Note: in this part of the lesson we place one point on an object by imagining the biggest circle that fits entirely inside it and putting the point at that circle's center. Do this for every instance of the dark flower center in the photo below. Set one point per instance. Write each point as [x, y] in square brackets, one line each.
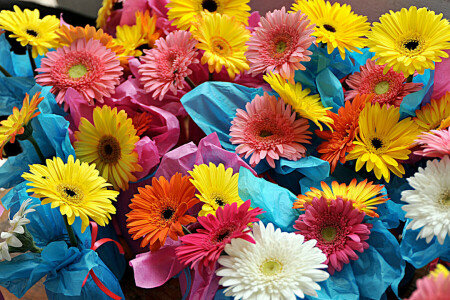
[411, 45]
[265, 133]
[168, 213]
[219, 202]
[109, 149]
[376, 143]
[32, 32]
[209, 5]
[69, 192]
[329, 28]
[223, 235]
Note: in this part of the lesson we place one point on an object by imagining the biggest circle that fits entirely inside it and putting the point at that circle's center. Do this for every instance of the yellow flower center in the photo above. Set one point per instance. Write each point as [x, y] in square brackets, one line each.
[77, 71]
[411, 46]
[210, 5]
[445, 198]
[108, 149]
[271, 267]
[381, 87]
[220, 46]
[280, 46]
[328, 233]
[71, 193]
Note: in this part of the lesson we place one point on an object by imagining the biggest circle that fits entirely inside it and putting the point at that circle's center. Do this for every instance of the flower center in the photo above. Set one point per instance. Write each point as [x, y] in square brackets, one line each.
[445, 198]
[108, 149]
[265, 133]
[71, 193]
[168, 213]
[329, 28]
[209, 5]
[381, 87]
[376, 143]
[411, 45]
[281, 46]
[222, 235]
[77, 71]
[271, 267]
[32, 32]
[328, 233]
[220, 46]
[219, 201]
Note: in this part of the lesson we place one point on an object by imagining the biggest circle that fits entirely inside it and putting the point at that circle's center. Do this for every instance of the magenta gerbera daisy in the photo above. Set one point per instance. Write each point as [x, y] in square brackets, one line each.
[268, 129]
[338, 229]
[435, 143]
[204, 247]
[88, 67]
[165, 67]
[280, 43]
[389, 88]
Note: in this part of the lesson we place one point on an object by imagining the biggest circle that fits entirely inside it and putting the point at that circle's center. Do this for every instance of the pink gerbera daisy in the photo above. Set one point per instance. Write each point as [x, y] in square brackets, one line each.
[204, 247]
[88, 67]
[165, 67]
[435, 287]
[389, 88]
[269, 129]
[280, 44]
[435, 143]
[337, 227]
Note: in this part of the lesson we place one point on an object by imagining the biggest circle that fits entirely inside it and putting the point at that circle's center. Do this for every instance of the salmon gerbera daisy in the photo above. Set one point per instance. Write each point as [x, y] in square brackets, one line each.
[435, 286]
[267, 129]
[389, 88]
[280, 44]
[338, 229]
[86, 66]
[109, 143]
[159, 211]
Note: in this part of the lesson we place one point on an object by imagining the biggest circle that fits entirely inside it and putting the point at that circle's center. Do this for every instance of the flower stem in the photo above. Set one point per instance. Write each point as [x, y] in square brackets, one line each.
[36, 249]
[36, 147]
[410, 78]
[185, 230]
[190, 82]
[6, 73]
[211, 77]
[32, 61]
[73, 239]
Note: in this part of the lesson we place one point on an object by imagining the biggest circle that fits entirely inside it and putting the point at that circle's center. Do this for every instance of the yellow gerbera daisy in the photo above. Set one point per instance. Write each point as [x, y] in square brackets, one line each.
[440, 269]
[28, 29]
[130, 38]
[184, 12]
[336, 25]
[309, 107]
[216, 185]
[109, 143]
[363, 195]
[409, 40]
[434, 115]
[148, 25]
[75, 187]
[104, 12]
[223, 39]
[383, 140]
[15, 123]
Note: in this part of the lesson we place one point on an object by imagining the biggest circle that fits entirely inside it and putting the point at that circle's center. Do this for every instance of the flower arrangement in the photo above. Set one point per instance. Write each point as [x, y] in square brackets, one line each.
[299, 154]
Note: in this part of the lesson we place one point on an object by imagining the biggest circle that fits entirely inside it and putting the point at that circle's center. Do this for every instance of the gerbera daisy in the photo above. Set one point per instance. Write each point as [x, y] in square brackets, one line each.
[382, 140]
[216, 186]
[15, 124]
[429, 203]
[223, 39]
[409, 40]
[148, 24]
[364, 196]
[141, 122]
[279, 265]
[88, 67]
[204, 247]
[130, 38]
[267, 129]
[28, 29]
[307, 106]
[160, 210]
[75, 187]
[184, 12]
[109, 143]
[434, 114]
[435, 286]
[389, 88]
[339, 140]
[104, 12]
[165, 67]
[435, 143]
[338, 229]
[336, 25]
[280, 44]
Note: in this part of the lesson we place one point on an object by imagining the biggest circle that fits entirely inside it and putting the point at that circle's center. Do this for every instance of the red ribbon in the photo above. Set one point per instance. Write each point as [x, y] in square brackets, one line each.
[94, 246]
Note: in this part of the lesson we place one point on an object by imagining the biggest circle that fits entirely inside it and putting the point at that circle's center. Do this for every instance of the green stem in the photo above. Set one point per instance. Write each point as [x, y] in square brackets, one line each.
[6, 73]
[185, 230]
[410, 78]
[73, 239]
[211, 77]
[36, 249]
[36, 147]
[32, 61]
[190, 82]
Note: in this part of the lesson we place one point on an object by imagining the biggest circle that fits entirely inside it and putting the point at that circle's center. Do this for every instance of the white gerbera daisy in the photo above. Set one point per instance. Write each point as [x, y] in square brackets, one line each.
[279, 265]
[429, 203]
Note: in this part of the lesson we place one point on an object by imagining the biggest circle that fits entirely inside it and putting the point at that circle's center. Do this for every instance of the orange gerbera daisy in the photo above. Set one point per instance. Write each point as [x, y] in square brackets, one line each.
[363, 195]
[141, 122]
[69, 34]
[434, 115]
[160, 210]
[15, 123]
[339, 140]
[148, 24]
